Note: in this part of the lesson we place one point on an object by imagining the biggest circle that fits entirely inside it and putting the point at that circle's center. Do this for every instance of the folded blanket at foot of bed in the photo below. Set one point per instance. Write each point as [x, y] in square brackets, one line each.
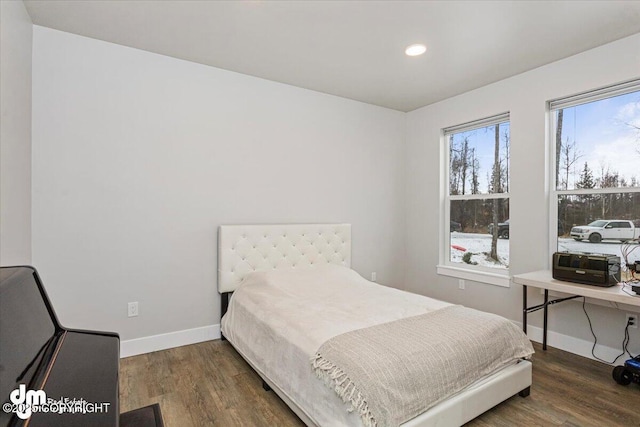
[393, 372]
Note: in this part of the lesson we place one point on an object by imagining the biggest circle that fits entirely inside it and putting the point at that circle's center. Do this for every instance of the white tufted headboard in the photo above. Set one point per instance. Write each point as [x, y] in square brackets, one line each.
[243, 249]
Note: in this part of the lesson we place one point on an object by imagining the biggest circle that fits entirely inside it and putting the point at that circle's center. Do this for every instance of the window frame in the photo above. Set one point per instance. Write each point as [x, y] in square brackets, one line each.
[493, 276]
[553, 105]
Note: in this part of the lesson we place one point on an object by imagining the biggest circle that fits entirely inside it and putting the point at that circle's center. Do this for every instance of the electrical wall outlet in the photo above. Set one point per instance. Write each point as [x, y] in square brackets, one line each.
[132, 309]
[634, 318]
[461, 284]
[374, 276]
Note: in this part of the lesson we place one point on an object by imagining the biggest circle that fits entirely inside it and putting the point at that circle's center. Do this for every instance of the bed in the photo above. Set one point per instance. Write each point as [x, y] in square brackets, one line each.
[295, 293]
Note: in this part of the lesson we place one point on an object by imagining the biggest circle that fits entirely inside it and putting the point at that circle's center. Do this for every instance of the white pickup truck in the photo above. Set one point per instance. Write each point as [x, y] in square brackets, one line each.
[603, 229]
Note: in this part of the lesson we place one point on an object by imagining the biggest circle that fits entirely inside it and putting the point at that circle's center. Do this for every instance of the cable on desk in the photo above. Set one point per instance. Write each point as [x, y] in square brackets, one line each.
[625, 284]
[626, 249]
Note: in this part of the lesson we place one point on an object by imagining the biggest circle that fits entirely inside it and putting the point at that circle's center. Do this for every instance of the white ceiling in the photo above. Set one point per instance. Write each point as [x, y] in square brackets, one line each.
[355, 49]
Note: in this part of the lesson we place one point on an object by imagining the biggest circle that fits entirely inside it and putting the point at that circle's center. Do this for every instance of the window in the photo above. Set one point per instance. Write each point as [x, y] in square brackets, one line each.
[476, 202]
[595, 162]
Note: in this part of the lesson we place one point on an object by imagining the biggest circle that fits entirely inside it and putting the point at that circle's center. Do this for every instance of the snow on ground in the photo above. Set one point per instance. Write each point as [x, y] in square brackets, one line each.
[480, 246]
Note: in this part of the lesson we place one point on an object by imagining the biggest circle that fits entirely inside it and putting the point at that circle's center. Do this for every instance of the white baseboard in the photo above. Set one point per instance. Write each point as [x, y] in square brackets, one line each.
[169, 340]
[574, 345]
[207, 333]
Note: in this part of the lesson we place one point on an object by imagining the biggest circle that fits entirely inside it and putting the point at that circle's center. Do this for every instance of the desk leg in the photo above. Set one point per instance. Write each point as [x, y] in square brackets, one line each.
[524, 309]
[544, 327]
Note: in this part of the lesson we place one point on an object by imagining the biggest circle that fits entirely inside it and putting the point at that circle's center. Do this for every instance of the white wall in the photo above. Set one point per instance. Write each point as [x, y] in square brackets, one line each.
[138, 157]
[525, 97]
[15, 134]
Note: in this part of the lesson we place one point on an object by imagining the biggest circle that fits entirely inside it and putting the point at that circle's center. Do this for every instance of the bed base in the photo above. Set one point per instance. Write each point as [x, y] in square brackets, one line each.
[224, 306]
[224, 302]
[469, 404]
[456, 410]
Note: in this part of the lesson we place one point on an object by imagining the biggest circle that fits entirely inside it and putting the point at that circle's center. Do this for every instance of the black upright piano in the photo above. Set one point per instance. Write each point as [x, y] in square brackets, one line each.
[36, 352]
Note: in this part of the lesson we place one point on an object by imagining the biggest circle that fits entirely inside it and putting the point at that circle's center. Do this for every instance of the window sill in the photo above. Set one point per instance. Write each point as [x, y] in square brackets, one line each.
[496, 279]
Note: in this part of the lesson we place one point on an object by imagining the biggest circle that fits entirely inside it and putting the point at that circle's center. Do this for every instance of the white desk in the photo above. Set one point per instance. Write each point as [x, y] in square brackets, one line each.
[543, 279]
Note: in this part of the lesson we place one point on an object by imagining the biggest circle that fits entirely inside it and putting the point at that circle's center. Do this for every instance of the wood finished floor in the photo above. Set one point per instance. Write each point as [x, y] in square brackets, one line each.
[209, 384]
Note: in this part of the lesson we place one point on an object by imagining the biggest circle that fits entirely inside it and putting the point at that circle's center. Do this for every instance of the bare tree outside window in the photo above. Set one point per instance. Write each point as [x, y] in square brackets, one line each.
[496, 184]
[478, 194]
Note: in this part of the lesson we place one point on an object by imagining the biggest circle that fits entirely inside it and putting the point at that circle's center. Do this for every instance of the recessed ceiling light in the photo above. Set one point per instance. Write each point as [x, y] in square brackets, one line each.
[415, 49]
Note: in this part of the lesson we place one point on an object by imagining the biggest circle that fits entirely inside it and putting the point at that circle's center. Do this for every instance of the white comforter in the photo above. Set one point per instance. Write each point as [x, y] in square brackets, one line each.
[279, 319]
